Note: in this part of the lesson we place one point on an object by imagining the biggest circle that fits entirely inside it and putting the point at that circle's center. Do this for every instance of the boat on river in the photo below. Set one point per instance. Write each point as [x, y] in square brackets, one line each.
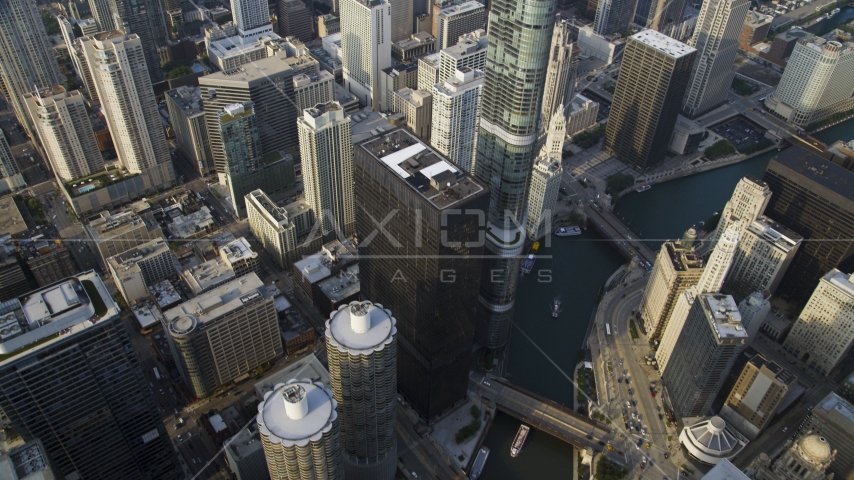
[479, 462]
[556, 308]
[528, 262]
[521, 435]
[567, 231]
[643, 188]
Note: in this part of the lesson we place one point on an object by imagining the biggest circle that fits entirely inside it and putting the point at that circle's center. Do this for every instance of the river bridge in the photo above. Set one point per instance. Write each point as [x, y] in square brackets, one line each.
[545, 415]
[622, 237]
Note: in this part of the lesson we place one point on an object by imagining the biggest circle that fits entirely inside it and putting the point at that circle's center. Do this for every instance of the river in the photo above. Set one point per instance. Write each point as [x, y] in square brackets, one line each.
[543, 351]
[845, 14]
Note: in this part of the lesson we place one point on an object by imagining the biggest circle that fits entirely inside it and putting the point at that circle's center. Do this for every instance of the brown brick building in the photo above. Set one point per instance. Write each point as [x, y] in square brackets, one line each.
[755, 28]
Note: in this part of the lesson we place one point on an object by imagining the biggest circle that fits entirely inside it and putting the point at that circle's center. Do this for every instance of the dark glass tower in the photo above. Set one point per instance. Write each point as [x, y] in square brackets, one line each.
[420, 223]
[144, 18]
[79, 388]
[814, 197]
[517, 58]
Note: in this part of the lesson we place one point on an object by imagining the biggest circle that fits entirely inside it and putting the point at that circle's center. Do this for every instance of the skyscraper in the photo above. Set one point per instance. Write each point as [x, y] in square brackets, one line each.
[26, 57]
[765, 250]
[268, 83]
[812, 197]
[223, 333]
[758, 392]
[648, 98]
[327, 159]
[506, 149]
[145, 20]
[716, 41]
[754, 309]
[103, 15]
[127, 98]
[247, 166]
[313, 89]
[542, 196]
[720, 260]
[456, 117]
[252, 18]
[365, 47]
[402, 19]
[818, 78]
[613, 16]
[295, 20]
[63, 126]
[281, 230]
[10, 176]
[72, 369]
[822, 335]
[748, 201]
[187, 114]
[298, 423]
[703, 353]
[560, 78]
[470, 51]
[675, 270]
[423, 263]
[71, 30]
[456, 20]
[361, 343]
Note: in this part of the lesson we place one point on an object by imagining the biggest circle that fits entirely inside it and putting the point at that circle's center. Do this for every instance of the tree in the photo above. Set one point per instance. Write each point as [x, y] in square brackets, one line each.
[607, 470]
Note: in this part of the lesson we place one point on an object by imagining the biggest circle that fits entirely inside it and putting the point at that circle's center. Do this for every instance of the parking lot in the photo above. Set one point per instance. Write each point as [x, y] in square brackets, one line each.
[741, 133]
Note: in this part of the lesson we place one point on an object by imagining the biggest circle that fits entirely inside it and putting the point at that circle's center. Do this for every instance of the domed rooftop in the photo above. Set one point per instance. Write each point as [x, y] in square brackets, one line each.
[710, 440]
[816, 448]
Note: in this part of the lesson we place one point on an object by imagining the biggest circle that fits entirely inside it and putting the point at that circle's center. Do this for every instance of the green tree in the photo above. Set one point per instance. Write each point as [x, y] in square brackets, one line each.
[608, 470]
[719, 149]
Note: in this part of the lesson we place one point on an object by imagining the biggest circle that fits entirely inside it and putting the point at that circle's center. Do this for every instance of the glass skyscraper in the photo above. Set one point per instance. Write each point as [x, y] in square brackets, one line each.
[520, 34]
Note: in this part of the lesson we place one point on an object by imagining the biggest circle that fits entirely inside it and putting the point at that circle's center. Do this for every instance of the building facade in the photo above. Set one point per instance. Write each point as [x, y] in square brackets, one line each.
[299, 427]
[327, 153]
[560, 78]
[127, 98]
[366, 37]
[429, 71]
[813, 198]
[72, 369]
[361, 344]
[703, 354]
[52, 264]
[456, 117]
[542, 196]
[295, 20]
[470, 51]
[716, 41]
[144, 19]
[313, 89]
[648, 98]
[62, 124]
[507, 147]
[187, 113]
[808, 457]
[434, 214]
[416, 106]
[223, 334]
[457, 20]
[676, 269]
[748, 201]
[581, 114]
[822, 335]
[283, 231]
[138, 267]
[759, 391]
[116, 233]
[818, 76]
[755, 29]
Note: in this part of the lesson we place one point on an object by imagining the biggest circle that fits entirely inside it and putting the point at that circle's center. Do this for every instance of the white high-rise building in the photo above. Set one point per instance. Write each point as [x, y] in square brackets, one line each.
[27, 61]
[747, 203]
[361, 343]
[310, 90]
[365, 47]
[428, 71]
[252, 18]
[456, 117]
[818, 76]
[456, 20]
[560, 77]
[87, 27]
[824, 331]
[470, 51]
[710, 281]
[765, 250]
[716, 41]
[298, 423]
[127, 98]
[542, 196]
[581, 114]
[555, 136]
[61, 120]
[326, 149]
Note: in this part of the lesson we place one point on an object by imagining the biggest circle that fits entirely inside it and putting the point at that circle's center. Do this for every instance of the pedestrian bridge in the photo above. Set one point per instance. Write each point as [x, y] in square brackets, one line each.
[544, 414]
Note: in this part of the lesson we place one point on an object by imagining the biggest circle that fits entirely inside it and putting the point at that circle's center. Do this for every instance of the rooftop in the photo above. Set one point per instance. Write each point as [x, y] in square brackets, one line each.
[302, 79]
[723, 312]
[756, 19]
[366, 123]
[462, 8]
[360, 327]
[435, 178]
[213, 272]
[27, 462]
[296, 411]
[318, 266]
[130, 258]
[165, 294]
[476, 41]
[109, 225]
[58, 309]
[228, 47]
[147, 314]
[308, 367]
[237, 250]
[682, 258]
[413, 97]
[663, 43]
[277, 213]
[464, 79]
[818, 170]
[837, 409]
[249, 73]
[188, 99]
[340, 286]
[245, 443]
[433, 60]
[725, 470]
[185, 226]
[236, 111]
[780, 374]
[214, 305]
[415, 40]
[842, 281]
[780, 236]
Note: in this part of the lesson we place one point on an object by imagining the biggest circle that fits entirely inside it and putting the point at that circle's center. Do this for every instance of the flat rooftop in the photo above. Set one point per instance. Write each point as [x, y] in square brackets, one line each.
[842, 281]
[255, 71]
[780, 374]
[238, 250]
[165, 293]
[139, 253]
[320, 410]
[470, 43]
[245, 443]
[837, 409]
[318, 266]
[11, 220]
[818, 170]
[434, 60]
[415, 40]
[213, 272]
[682, 258]
[462, 8]
[427, 172]
[366, 123]
[780, 236]
[723, 313]
[109, 225]
[188, 99]
[214, 305]
[276, 212]
[306, 367]
[343, 328]
[663, 43]
[59, 309]
[340, 286]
